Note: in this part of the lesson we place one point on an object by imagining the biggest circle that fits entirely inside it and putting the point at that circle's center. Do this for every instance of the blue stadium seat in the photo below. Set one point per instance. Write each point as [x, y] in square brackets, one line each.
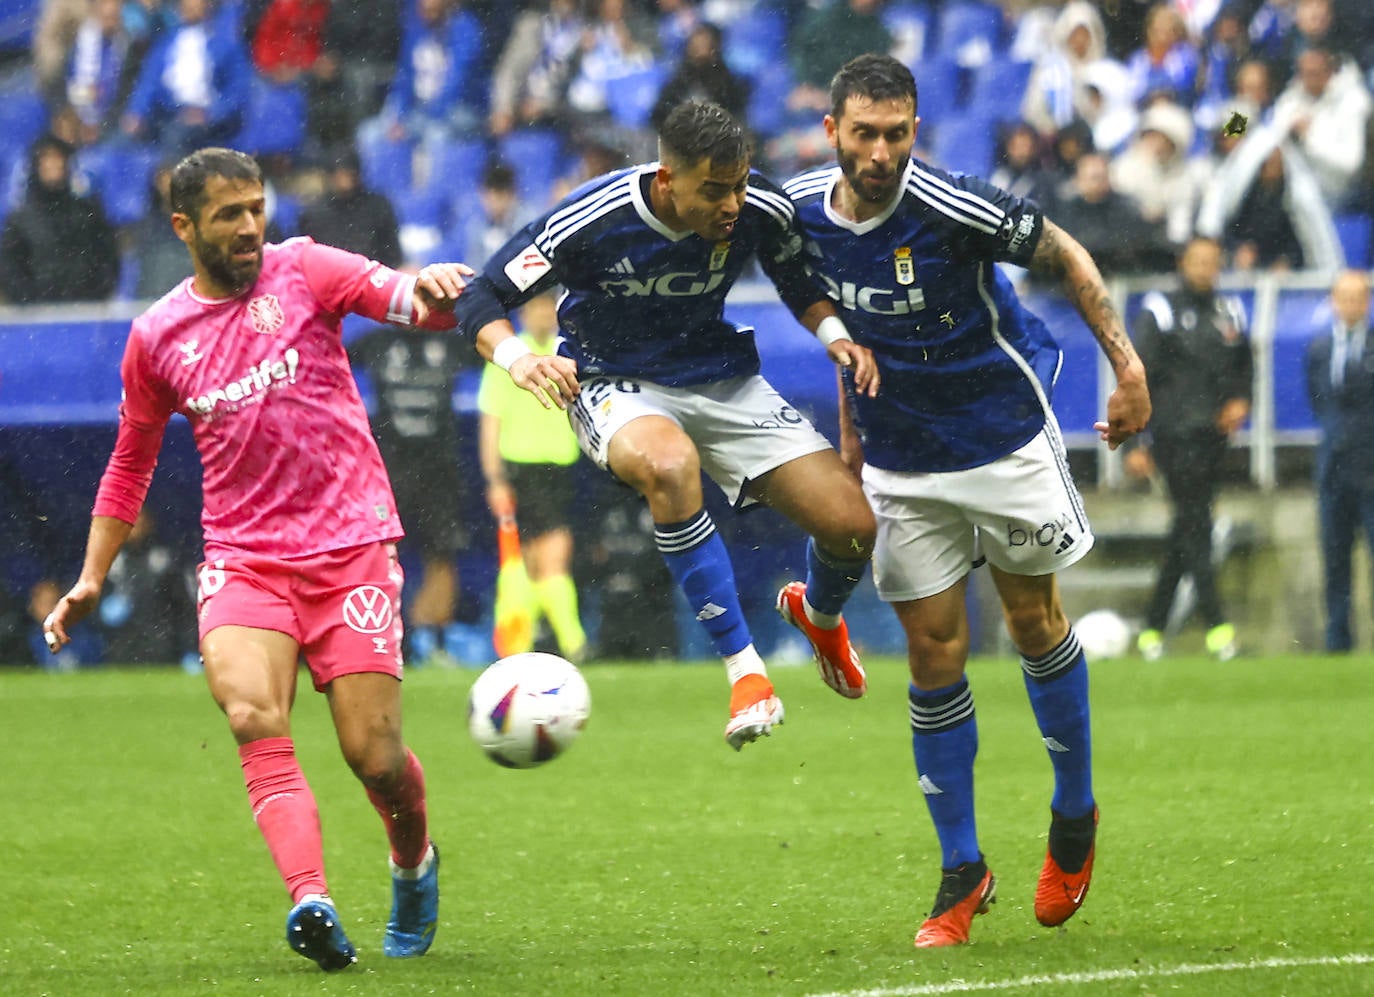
[536, 155]
[757, 38]
[998, 87]
[971, 31]
[23, 115]
[1354, 231]
[275, 122]
[386, 165]
[964, 144]
[457, 165]
[910, 25]
[767, 111]
[122, 176]
[937, 89]
[630, 98]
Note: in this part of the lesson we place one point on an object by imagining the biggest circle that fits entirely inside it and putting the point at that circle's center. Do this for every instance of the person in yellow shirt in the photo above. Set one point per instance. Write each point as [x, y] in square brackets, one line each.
[528, 452]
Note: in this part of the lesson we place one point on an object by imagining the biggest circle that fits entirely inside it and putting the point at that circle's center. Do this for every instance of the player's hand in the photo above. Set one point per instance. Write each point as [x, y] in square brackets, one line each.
[859, 359]
[438, 286]
[553, 380]
[1128, 412]
[501, 500]
[70, 610]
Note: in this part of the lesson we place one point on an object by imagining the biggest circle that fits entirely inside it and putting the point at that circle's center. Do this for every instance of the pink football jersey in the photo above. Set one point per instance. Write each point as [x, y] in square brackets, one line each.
[290, 465]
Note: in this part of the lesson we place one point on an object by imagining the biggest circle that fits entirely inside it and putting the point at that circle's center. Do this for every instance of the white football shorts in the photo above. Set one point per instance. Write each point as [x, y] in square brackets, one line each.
[741, 426]
[1022, 512]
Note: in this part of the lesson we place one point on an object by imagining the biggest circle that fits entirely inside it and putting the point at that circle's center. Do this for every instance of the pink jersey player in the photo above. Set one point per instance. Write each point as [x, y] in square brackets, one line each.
[299, 523]
[290, 465]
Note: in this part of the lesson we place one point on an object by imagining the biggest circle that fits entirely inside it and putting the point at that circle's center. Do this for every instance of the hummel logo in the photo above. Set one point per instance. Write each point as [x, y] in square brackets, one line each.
[624, 266]
[709, 612]
[929, 788]
[1055, 745]
[190, 352]
[1065, 543]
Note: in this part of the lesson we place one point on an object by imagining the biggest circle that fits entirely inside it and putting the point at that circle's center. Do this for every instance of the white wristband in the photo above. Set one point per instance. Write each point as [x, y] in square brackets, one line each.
[508, 351]
[832, 329]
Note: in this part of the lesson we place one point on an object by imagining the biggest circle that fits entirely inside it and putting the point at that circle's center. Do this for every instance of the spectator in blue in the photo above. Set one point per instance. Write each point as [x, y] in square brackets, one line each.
[1167, 63]
[100, 70]
[192, 89]
[532, 74]
[439, 91]
[677, 19]
[1340, 386]
[56, 245]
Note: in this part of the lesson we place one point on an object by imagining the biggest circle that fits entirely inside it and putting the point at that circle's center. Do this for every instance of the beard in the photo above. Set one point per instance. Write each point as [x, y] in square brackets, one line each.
[223, 269]
[869, 185]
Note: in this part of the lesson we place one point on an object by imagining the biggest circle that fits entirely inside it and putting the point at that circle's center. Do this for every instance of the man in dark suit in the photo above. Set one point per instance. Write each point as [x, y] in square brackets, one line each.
[1340, 386]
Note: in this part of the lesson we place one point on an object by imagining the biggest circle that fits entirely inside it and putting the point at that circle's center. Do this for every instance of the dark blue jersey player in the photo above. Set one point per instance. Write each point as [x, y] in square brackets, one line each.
[961, 455]
[668, 388]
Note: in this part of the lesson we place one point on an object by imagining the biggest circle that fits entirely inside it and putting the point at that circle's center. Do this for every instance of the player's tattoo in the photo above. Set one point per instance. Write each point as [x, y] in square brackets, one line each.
[1060, 256]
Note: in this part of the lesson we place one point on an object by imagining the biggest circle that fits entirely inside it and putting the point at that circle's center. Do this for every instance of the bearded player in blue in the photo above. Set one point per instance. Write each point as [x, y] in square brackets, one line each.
[661, 387]
[961, 456]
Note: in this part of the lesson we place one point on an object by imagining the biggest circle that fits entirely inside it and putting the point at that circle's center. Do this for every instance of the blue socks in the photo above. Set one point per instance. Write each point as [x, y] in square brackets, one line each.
[697, 560]
[944, 741]
[1057, 684]
[830, 580]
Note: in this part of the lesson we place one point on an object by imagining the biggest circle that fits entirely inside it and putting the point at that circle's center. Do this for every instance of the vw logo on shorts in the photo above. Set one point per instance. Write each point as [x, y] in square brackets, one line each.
[367, 609]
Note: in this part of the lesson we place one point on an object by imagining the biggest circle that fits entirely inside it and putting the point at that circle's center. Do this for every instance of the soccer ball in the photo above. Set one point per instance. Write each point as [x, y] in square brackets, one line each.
[528, 708]
[1103, 634]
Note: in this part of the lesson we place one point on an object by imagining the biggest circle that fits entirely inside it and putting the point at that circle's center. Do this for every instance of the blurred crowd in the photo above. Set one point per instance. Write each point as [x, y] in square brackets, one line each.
[414, 130]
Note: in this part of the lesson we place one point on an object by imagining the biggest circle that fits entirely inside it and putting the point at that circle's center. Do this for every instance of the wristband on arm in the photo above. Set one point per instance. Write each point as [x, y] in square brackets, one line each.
[508, 351]
[831, 329]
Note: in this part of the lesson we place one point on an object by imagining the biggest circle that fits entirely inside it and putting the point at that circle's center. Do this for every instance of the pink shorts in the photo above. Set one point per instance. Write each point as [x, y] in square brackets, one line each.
[343, 607]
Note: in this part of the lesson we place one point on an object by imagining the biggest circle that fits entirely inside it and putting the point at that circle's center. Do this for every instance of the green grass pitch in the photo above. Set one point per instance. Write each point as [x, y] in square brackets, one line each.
[1234, 856]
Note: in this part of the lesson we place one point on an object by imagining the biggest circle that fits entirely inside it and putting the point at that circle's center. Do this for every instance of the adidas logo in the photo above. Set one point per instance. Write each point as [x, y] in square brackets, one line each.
[1065, 543]
[624, 266]
[929, 788]
[1055, 745]
[709, 612]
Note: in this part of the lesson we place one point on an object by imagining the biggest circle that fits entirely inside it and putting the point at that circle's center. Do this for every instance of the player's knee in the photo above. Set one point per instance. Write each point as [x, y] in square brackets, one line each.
[937, 658]
[1035, 628]
[665, 470]
[378, 765]
[250, 721]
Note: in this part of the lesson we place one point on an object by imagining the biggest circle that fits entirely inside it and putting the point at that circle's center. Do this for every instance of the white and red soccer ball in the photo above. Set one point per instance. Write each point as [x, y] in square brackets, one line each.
[527, 709]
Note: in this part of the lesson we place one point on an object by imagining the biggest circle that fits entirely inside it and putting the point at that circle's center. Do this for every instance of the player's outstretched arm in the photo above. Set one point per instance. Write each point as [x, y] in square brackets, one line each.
[106, 538]
[1061, 256]
[553, 380]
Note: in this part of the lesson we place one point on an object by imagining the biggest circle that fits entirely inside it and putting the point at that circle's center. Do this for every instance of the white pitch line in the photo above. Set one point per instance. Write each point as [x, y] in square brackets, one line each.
[1101, 976]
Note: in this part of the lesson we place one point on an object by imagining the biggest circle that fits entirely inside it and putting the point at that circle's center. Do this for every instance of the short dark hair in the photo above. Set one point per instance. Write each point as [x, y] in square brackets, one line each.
[874, 77]
[697, 130]
[190, 175]
[498, 175]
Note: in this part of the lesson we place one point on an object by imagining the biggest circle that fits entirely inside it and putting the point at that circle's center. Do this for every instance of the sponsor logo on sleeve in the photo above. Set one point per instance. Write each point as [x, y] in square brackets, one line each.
[527, 267]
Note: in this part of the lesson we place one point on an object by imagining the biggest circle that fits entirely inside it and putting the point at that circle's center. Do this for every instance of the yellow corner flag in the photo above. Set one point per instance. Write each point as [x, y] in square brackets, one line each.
[513, 630]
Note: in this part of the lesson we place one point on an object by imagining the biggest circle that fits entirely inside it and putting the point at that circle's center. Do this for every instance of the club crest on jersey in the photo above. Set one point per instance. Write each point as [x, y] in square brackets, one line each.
[718, 255]
[265, 313]
[904, 266]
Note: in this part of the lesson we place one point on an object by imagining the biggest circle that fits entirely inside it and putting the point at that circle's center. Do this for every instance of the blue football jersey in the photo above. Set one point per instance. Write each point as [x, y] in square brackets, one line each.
[642, 300]
[967, 372]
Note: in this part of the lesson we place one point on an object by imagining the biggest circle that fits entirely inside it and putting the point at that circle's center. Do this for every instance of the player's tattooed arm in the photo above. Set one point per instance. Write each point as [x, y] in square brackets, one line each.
[1060, 256]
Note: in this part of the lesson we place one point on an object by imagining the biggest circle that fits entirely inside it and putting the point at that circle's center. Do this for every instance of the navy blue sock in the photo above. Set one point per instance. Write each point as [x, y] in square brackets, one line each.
[944, 740]
[1057, 684]
[830, 580]
[697, 559]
